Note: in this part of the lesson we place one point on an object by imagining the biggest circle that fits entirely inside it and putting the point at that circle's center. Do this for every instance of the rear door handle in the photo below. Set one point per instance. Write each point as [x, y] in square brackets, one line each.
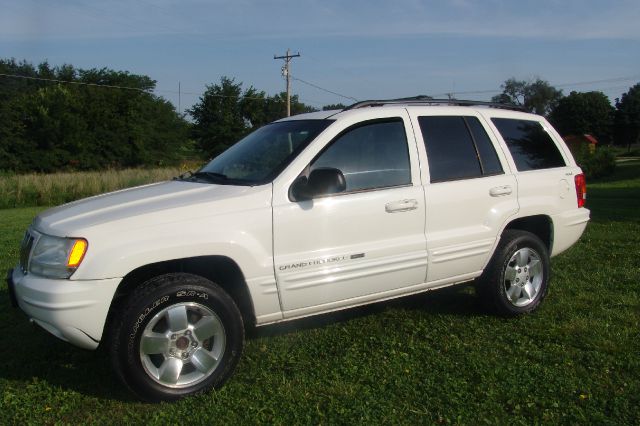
[500, 190]
[401, 206]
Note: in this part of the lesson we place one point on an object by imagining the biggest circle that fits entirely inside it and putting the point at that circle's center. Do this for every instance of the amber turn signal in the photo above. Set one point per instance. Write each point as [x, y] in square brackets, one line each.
[77, 253]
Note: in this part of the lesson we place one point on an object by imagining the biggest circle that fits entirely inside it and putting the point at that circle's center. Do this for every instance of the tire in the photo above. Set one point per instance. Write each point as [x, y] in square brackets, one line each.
[177, 335]
[517, 278]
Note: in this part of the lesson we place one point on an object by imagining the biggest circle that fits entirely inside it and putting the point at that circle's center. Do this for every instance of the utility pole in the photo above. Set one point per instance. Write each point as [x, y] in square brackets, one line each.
[287, 74]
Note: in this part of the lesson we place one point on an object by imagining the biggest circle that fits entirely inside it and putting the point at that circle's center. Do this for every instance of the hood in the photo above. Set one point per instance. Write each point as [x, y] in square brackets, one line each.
[161, 202]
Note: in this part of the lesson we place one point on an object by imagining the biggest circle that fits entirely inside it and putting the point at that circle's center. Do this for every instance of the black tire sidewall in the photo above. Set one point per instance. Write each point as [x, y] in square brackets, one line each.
[171, 290]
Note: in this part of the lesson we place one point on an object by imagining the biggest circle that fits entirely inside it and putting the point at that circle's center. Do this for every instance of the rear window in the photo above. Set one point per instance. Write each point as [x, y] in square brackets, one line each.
[530, 145]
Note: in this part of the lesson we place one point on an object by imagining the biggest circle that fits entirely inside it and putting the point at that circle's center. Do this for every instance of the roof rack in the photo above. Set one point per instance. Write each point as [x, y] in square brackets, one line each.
[427, 100]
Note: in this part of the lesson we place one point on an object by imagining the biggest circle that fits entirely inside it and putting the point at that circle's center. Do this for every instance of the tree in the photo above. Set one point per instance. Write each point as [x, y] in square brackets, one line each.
[12, 140]
[54, 125]
[331, 107]
[537, 96]
[218, 116]
[49, 126]
[581, 113]
[254, 108]
[225, 113]
[278, 106]
[627, 117]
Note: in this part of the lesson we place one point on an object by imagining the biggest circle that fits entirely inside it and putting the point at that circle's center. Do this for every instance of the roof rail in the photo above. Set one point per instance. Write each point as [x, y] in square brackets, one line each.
[427, 100]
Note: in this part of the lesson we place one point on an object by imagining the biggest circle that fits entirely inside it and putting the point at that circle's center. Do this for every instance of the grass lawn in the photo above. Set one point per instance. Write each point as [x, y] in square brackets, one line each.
[432, 358]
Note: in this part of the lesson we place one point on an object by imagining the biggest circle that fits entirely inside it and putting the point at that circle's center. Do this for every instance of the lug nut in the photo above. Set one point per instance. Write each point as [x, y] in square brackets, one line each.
[517, 280]
[188, 332]
[185, 355]
[519, 270]
[194, 344]
[174, 336]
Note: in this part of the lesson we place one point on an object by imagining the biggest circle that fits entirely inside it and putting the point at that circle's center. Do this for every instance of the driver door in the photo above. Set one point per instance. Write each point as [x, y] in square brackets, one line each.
[364, 243]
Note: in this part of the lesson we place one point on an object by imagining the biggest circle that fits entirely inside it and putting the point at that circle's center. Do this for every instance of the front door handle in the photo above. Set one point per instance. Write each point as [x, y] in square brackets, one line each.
[500, 190]
[401, 206]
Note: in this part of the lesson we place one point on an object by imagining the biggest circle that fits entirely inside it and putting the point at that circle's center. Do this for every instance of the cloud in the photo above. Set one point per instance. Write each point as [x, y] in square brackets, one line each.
[545, 19]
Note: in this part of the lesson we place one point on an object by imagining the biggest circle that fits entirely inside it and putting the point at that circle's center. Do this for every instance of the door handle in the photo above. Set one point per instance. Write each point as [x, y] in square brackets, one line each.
[500, 190]
[401, 206]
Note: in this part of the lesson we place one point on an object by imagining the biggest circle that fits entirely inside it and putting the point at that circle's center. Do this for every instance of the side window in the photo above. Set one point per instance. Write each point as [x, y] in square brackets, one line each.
[458, 148]
[371, 155]
[530, 145]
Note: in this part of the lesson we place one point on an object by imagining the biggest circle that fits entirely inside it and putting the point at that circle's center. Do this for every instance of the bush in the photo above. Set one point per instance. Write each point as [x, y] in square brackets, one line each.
[597, 164]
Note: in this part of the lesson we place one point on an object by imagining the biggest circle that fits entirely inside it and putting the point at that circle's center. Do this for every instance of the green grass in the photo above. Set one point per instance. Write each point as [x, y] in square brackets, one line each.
[36, 189]
[624, 151]
[433, 358]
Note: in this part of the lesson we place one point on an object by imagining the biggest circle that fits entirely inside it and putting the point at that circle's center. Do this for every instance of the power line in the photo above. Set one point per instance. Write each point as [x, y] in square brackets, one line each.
[323, 89]
[608, 80]
[81, 83]
[136, 89]
[154, 91]
[468, 92]
[336, 65]
[580, 83]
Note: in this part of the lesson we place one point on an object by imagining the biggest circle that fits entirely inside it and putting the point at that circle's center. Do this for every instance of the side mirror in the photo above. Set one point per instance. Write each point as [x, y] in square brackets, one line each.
[322, 181]
[299, 190]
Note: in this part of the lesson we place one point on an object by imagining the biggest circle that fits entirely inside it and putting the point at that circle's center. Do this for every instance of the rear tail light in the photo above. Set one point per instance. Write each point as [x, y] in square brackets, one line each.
[581, 189]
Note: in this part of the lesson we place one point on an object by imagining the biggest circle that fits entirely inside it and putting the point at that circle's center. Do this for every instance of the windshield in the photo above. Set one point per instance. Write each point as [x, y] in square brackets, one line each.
[263, 154]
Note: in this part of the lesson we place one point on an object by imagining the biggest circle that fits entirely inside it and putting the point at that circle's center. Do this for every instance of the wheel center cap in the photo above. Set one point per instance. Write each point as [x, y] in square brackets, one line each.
[182, 343]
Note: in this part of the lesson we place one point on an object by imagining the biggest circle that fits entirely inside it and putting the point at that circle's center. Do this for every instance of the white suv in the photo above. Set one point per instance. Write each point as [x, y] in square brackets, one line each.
[310, 214]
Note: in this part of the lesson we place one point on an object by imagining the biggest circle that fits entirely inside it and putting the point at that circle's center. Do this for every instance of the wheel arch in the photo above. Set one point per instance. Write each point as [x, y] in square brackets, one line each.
[222, 270]
[539, 225]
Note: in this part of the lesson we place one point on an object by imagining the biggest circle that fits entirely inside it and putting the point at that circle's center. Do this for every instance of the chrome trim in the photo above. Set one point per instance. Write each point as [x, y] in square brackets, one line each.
[25, 251]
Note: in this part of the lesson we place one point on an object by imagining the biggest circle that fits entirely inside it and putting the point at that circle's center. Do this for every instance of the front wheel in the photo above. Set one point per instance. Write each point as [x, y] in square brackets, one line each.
[517, 277]
[180, 334]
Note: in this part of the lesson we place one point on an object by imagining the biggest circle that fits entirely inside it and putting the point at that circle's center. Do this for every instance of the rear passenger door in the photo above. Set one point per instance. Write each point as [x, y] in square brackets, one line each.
[469, 191]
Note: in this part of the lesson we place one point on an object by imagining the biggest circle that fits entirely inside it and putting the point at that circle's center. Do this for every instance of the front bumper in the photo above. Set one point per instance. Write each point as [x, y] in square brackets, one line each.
[74, 311]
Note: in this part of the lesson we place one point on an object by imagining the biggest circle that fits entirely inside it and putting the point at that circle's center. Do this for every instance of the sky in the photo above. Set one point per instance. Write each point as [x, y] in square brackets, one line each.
[360, 49]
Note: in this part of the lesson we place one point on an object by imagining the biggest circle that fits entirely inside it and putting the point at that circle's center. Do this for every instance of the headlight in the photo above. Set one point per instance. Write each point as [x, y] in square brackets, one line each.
[56, 257]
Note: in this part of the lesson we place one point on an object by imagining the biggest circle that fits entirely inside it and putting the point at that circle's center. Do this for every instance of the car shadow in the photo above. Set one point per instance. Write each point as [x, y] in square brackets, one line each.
[458, 300]
[33, 355]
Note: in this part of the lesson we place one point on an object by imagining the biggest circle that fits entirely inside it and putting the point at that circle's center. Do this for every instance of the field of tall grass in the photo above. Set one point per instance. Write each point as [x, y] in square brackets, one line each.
[36, 189]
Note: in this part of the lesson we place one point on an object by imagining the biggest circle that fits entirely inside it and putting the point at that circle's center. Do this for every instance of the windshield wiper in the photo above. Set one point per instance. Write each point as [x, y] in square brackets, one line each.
[215, 177]
[210, 176]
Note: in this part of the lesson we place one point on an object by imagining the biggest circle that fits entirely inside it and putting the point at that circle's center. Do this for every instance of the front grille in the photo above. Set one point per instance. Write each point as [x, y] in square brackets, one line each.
[25, 251]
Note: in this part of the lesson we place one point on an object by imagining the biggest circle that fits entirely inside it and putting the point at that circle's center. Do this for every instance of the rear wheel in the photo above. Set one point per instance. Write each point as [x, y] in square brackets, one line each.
[517, 277]
[180, 334]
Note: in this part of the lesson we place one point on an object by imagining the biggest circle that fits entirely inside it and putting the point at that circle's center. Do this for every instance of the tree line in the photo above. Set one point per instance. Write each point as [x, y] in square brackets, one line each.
[58, 118]
[77, 125]
[55, 118]
[579, 112]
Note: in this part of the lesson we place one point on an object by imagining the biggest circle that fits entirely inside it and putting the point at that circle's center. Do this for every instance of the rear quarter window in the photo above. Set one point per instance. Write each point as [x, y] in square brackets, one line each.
[530, 145]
